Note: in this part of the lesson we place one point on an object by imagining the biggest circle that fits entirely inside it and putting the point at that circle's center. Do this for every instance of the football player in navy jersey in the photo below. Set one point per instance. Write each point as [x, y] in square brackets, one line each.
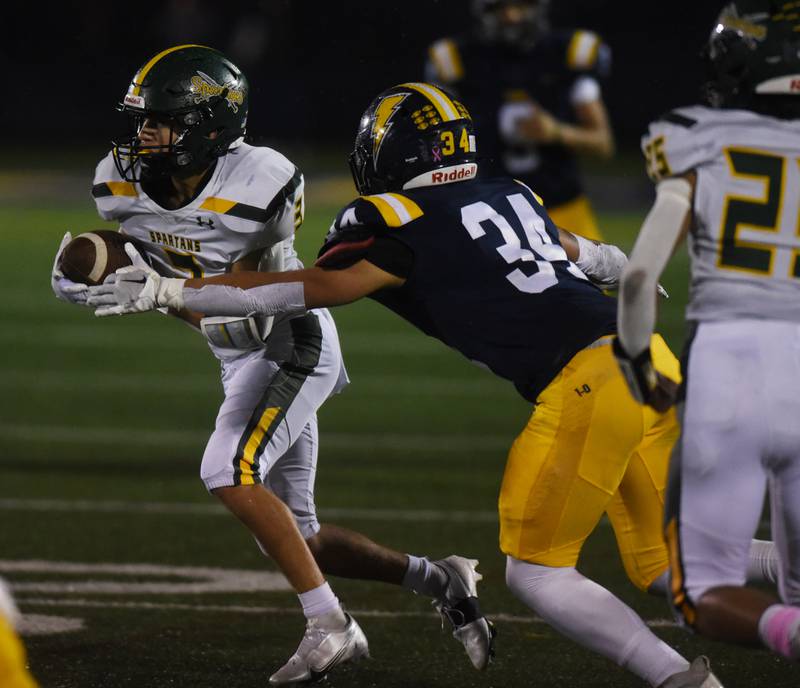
[535, 95]
[479, 264]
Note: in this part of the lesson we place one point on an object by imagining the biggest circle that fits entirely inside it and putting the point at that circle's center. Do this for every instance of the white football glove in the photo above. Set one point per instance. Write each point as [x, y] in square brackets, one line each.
[136, 288]
[64, 288]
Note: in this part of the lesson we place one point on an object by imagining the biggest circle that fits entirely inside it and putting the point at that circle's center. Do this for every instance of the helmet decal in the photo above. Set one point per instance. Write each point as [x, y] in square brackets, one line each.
[206, 88]
[745, 25]
[382, 123]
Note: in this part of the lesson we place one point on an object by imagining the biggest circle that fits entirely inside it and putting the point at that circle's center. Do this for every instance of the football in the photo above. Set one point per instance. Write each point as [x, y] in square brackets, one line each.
[90, 257]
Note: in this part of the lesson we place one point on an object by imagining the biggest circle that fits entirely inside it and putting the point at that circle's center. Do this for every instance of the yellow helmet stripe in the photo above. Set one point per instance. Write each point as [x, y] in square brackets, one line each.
[441, 101]
[142, 73]
[396, 210]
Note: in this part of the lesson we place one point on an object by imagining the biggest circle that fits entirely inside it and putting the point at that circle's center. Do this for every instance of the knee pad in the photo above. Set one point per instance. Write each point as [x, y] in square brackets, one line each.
[525, 579]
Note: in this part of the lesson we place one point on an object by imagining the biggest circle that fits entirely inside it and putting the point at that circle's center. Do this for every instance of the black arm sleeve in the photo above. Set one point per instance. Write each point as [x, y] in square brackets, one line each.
[391, 255]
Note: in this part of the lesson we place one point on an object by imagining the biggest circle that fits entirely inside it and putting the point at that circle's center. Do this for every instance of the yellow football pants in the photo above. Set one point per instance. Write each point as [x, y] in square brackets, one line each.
[589, 448]
[576, 216]
[13, 673]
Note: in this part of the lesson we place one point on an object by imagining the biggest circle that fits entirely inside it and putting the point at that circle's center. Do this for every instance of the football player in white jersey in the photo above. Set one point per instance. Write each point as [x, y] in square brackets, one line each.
[728, 176]
[198, 201]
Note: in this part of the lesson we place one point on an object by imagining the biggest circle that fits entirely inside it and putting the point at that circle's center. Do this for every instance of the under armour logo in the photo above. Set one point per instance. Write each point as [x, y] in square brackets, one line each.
[208, 221]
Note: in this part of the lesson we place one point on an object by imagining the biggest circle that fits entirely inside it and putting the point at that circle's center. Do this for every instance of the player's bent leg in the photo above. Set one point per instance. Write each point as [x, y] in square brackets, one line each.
[565, 467]
[331, 636]
[562, 473]
[590, 615]
[763, 567]
[451, 582]
[267, 406]
[716, 462]
[637, 510]
[273, 525]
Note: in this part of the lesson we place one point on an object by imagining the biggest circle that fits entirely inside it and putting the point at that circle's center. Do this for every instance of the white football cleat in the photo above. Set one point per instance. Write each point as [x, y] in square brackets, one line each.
[698, 675]
[321, 650]
[460, 607]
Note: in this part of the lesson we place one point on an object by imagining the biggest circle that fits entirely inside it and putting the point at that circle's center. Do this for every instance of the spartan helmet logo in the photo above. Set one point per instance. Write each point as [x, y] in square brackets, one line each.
[205, 88]
[382, 122]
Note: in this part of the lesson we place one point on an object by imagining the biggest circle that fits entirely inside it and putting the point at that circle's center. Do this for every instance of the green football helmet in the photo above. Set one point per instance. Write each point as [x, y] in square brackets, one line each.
[753, 57]
[200, 94]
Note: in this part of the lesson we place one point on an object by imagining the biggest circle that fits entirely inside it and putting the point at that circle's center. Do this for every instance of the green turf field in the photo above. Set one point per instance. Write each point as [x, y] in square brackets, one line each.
[101, 433]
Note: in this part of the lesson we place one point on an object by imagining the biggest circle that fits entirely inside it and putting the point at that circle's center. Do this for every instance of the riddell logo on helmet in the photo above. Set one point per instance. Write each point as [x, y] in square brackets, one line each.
[134, 101]
[454, 175]
[795, 85]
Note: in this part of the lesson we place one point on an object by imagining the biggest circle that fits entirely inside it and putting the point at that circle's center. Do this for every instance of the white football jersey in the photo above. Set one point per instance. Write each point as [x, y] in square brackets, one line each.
[744, 242]
[253, 202]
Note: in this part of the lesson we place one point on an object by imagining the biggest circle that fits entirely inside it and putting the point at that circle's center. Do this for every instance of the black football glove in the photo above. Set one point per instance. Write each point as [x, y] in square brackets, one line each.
[638, 372]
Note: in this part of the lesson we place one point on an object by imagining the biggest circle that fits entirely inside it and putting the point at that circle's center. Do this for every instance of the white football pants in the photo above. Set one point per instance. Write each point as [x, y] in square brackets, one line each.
[740, 431]
[266, 428]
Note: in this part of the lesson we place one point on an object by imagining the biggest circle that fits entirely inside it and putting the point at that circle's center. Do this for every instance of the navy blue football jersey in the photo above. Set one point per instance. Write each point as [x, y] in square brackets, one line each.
[498, 84]
[485, 274]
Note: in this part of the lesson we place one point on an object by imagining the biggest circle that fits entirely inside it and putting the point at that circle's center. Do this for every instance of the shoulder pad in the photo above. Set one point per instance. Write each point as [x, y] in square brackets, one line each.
[276, 181]
[679, 141]
[395, 209]
[108, 182]
[351, 234]
[111, 193]
[358, 223]
[533, 193]
[444, 59]
[586, 52]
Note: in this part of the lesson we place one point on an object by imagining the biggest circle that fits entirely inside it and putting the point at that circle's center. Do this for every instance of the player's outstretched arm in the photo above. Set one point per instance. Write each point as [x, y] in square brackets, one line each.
[255, 293]
[132, 290]
[663, 229]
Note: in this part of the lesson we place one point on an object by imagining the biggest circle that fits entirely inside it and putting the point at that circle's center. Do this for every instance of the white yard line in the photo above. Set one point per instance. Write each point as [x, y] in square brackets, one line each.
[213, 509]
[132, 579]
[93, 336]
[252, 609]
[177, 383]
[70, 434]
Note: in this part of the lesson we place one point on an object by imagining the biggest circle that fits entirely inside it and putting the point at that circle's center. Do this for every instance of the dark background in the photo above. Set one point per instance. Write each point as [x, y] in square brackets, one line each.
[313, 66]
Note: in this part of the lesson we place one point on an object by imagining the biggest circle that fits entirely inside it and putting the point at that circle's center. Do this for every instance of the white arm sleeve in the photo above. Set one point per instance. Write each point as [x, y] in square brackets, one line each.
[636, 317]
[269, 299]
